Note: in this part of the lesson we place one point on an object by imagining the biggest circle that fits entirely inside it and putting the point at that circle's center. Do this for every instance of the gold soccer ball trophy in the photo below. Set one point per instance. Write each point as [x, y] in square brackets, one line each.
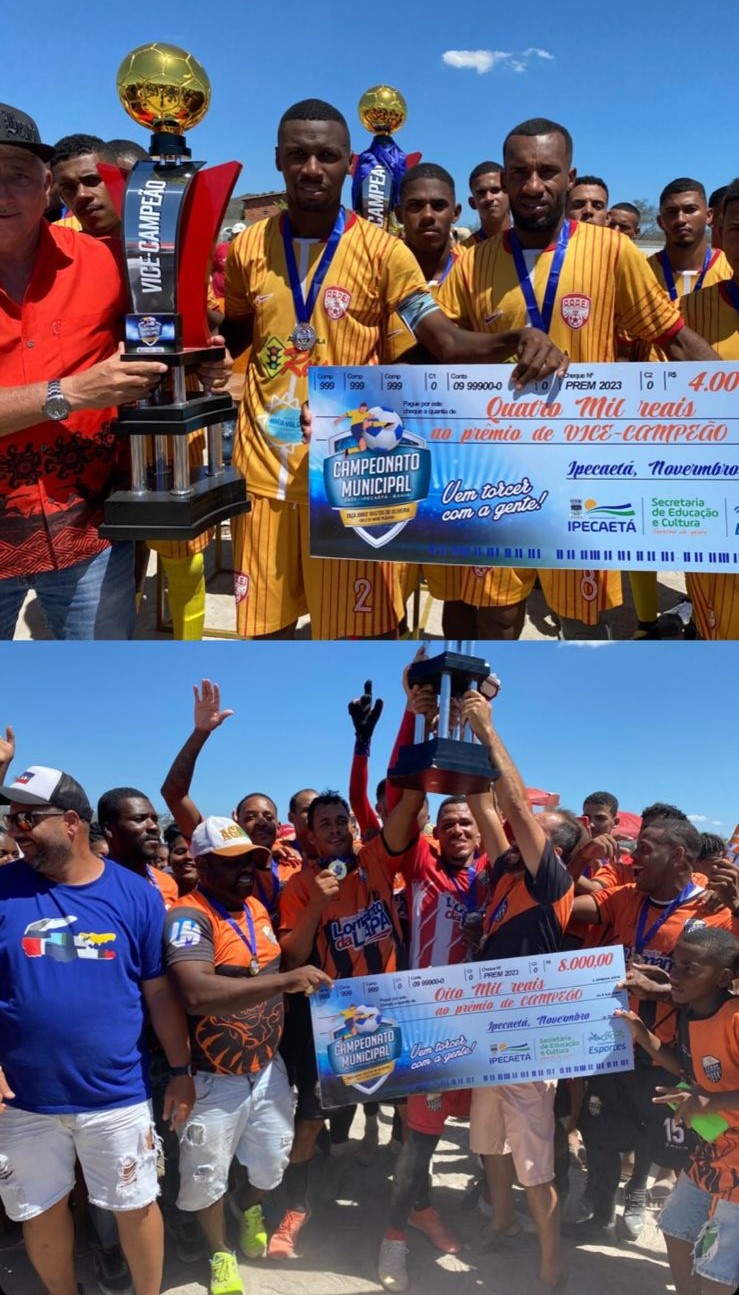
[163, 88]
[382, 110]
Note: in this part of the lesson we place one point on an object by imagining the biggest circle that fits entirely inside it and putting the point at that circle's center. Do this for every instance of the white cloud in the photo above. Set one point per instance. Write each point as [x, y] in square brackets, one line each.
[589, 644]
[484, 60]
[698, 818]
[480, 59]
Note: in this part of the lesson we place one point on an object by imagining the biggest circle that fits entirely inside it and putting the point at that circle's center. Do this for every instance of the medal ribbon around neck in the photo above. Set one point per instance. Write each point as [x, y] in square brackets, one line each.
[467, 892]
[445, 271]
[304, 307]
[670, 278]
[270, 902]
[540, 319]
[642, 937]
[251, 942]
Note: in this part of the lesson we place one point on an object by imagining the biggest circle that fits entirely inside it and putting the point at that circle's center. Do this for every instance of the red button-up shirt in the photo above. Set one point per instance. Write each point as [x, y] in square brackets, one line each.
[55, 476]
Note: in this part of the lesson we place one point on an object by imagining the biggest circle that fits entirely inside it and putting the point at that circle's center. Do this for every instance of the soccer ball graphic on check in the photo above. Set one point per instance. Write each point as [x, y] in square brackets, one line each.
[382, 430]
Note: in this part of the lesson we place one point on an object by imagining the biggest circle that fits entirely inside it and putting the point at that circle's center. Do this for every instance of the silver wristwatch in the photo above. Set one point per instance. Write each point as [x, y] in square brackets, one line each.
[56, 406]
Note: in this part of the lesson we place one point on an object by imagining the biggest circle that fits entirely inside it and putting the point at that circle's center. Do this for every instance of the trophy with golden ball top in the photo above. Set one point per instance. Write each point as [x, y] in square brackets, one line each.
[172, 211]
[380, 168]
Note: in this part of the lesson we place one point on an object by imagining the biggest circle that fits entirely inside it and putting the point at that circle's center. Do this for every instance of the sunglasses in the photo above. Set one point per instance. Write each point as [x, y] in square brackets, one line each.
[27, 819]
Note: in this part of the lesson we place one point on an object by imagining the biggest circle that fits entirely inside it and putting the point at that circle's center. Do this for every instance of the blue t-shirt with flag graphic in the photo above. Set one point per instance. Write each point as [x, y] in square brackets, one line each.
[72, 963]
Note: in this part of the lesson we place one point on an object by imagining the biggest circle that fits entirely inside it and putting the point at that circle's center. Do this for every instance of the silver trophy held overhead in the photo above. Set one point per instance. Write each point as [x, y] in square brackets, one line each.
[451, 760]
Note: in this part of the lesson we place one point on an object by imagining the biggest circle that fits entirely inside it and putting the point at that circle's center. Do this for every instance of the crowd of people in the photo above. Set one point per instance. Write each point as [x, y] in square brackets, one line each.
[370, 297]
[187, 1068]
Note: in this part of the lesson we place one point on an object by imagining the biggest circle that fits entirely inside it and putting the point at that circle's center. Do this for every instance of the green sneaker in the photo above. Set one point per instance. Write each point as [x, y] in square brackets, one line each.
[225, 1278]
[252, 1233]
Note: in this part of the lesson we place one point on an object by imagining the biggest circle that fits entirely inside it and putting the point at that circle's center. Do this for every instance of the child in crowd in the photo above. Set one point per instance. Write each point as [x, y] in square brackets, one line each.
[700, 1219]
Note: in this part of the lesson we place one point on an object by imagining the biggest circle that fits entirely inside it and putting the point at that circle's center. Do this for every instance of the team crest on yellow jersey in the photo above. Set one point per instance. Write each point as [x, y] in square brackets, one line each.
[241, 586]
[575, 309]
[336, 302]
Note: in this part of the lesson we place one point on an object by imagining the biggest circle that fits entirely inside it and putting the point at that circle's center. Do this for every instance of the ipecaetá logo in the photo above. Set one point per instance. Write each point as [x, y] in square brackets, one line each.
[588, 515]
[376, 474]
[365, 1049]
[508, 1052]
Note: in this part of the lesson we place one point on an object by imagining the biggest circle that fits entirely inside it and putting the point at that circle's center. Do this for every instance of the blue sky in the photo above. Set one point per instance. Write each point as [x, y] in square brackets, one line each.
[640, 89]
[647, 722]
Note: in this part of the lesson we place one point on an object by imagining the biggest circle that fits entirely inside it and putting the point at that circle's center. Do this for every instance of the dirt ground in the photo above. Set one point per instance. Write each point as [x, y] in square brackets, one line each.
[340, 1243]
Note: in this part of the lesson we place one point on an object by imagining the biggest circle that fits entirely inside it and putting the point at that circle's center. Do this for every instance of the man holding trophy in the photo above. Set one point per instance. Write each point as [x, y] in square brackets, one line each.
[62, 305]
[509, 899]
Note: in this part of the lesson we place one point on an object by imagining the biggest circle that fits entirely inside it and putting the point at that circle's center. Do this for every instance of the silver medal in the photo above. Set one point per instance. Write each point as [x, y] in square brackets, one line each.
[254, 967]
[303, 337]
[338, 869]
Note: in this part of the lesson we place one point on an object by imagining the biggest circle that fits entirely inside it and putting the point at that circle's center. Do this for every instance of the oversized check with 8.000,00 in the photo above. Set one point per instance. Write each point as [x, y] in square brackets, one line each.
[516, 1020]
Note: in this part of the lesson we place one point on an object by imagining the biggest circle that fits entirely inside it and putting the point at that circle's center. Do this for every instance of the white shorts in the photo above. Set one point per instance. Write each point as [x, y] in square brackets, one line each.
[516, 1118]
[117, 1150]
[247, 1116]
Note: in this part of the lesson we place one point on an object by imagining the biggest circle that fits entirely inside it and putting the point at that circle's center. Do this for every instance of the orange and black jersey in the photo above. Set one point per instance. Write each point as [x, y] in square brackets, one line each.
[622, 910]
[166, 885]
[246, 1041]
[359, 932]
[527, 914]
[709, 1049]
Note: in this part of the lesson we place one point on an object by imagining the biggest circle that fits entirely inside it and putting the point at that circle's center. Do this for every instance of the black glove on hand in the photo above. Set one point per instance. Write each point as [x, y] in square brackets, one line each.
[365, 715]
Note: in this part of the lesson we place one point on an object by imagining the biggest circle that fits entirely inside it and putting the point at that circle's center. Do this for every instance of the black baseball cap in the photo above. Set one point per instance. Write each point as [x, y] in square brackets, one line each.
[18, 128]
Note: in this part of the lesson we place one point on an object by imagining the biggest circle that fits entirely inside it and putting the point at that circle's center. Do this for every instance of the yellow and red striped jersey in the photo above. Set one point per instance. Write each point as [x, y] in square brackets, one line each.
[69, 221]
[605, 285]
[370, 275]
[398, 341]
[686, 285]
[712, 313]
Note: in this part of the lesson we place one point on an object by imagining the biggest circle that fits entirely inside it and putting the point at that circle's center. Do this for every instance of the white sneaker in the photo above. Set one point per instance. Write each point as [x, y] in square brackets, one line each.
[391, 1265]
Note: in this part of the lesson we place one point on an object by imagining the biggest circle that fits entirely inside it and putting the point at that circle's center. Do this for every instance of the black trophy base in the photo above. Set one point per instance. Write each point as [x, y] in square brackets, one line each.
[445, 766]
[187, 359]
[174, 420]
[160, 515]
[463, 670]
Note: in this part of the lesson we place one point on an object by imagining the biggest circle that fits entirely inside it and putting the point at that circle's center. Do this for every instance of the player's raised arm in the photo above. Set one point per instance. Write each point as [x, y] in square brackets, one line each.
[175, 789]
[364, 715]
[401, 825]
[509, 789]
[485, 812]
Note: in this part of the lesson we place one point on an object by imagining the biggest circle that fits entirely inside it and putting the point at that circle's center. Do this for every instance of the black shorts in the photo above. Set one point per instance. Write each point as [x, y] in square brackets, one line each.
[618, 1115]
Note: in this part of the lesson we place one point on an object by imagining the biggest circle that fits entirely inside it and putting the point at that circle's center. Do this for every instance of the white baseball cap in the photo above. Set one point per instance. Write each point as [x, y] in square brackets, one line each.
[224, 837]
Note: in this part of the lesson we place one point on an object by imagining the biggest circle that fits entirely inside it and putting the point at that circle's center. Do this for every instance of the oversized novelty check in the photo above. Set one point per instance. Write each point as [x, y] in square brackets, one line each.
[617, 466]
[480, 1023]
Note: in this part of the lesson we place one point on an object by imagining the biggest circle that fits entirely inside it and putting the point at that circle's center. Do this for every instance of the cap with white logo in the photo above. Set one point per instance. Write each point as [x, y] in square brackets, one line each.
[224, 837]
[40, 785]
